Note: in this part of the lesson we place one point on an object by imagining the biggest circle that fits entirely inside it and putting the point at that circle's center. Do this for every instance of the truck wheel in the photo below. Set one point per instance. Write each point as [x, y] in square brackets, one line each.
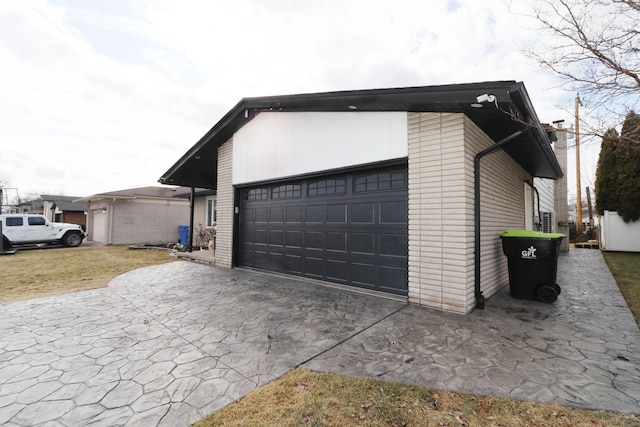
[6, 243]
[72, 239]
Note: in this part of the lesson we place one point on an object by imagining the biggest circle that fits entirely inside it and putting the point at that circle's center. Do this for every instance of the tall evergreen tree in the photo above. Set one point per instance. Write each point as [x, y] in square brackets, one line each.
[607, 173]
[629, 169]
[618, 173]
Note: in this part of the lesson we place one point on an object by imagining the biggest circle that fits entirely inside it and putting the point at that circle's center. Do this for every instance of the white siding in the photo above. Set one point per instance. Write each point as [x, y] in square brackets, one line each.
[546, 190]
[276, 145]
[530, 204]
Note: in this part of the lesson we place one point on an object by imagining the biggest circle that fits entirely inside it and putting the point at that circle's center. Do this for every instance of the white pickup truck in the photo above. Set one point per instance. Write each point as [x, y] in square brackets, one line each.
[21, 229]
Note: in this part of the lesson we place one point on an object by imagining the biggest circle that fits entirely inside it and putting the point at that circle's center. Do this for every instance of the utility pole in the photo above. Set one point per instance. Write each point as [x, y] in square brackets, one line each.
[590, 208]
[578, 192]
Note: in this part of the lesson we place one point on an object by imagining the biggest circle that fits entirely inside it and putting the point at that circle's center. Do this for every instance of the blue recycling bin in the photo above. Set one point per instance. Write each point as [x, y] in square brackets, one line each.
[184, 233]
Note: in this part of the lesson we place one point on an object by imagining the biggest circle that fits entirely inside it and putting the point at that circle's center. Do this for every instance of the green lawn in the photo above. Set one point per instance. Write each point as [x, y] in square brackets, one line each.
[35, 273]
[625, 267]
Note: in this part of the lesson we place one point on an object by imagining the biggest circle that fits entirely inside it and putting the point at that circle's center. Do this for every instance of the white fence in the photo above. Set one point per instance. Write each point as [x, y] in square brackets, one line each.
[616, 235]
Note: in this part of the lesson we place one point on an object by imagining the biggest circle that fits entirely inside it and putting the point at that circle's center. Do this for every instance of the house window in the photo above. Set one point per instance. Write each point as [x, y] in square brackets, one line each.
[288, 191]
[326, 186]
[210, 220]
[380, 181]
[256, 194]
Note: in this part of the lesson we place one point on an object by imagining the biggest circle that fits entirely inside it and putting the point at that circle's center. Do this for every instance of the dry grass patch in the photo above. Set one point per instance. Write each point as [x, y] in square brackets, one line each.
[306, 398]
[42, 272]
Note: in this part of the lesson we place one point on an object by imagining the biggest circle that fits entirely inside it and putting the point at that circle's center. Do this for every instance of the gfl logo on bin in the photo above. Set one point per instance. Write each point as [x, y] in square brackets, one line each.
[529, 253]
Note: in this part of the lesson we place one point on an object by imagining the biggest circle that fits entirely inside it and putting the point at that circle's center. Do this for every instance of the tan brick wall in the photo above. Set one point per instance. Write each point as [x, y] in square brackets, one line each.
[502, 207]
[441, 224]
[155, 222]
[225, 192]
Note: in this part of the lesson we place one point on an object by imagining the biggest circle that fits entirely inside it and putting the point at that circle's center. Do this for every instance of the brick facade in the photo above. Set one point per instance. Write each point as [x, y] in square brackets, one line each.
[442, 148]
[225, 202]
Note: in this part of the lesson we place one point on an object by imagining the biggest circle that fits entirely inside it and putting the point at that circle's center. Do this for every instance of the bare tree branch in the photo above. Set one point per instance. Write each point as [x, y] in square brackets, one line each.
[594, 47]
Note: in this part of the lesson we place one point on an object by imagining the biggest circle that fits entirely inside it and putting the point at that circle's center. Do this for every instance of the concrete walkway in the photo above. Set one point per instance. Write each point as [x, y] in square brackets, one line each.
[166, 345]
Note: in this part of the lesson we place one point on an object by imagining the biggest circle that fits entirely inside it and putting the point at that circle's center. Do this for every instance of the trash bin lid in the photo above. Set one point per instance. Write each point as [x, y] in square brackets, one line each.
[532, 234]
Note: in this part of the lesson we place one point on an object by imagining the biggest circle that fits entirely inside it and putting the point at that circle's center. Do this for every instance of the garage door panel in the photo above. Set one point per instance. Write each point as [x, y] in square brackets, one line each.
[362, 213]
[363, 274]
[314, 267]
[276, 237]
[314, 213]
[261, 215]
[260, 237]
[314, 240]
[363, 243]
[393, 244]
[390, 278]
[293, 214]
[293, 264]
[350, 233]
[337, 213]
[293, 239]
[248, 215]
[276, 261]
[393, 212]
[246, 253]
[260, 259]
[276, 215]
[336, 241]
[337, 271]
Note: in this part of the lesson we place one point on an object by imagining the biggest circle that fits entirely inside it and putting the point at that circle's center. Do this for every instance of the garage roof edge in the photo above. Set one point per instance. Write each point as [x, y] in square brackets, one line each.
[510, 96]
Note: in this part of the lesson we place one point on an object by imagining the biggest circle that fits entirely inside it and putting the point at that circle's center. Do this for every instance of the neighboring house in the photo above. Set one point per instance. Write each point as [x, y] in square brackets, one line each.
[376, 188]
[32, 207]
[64, 209]
[204, 216]
[147, 215]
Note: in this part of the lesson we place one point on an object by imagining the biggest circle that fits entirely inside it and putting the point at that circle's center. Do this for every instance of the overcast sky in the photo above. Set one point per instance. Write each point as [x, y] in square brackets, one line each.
[105, 95]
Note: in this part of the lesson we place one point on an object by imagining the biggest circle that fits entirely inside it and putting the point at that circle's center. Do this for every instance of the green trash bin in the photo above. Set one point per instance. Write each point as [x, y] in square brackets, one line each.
[533, 264]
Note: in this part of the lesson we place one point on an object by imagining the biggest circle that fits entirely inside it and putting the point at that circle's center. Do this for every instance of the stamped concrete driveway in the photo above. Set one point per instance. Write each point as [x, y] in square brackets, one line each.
[166, 345]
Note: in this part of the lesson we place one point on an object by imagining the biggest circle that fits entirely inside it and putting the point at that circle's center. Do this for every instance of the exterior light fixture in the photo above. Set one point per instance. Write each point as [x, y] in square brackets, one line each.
[484, 98]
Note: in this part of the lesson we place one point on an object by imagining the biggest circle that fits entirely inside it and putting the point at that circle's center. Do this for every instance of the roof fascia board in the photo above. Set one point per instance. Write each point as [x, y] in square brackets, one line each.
[521, 98]
[506, 92]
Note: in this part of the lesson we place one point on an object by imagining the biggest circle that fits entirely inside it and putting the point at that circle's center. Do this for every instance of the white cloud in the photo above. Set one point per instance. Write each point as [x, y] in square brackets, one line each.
[104, 95]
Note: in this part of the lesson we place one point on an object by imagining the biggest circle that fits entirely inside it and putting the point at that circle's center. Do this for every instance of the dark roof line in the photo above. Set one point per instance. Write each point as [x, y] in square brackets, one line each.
[511, 98]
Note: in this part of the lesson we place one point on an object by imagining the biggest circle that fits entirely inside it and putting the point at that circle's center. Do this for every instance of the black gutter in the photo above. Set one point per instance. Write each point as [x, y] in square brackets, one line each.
[539, 223]
[476, 214]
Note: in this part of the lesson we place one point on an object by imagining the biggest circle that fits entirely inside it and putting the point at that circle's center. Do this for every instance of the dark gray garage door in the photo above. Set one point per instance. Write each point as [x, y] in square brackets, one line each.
[349, 228]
